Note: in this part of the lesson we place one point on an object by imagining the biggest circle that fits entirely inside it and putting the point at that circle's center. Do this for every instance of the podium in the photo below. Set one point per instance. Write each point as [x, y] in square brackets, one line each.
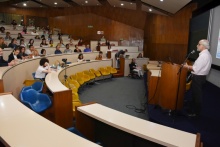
[168, 90]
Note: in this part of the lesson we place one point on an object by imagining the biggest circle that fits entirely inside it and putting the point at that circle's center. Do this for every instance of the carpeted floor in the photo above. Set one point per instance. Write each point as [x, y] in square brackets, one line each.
[117, 93]
[120, 92]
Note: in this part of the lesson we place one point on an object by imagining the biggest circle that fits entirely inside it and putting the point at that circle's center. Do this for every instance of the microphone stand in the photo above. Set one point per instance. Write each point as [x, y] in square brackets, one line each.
[65, 76]
[178, 88]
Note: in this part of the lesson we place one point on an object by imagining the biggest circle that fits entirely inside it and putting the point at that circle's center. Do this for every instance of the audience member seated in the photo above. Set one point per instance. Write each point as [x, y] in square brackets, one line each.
[14, 55]
[58, 51]
[80, 43]
[134, 68]
[22, 53]
[103, 38]
[43, 52]
[8, 36]
[37, 37]
[77, 49]
[14, 23]
[3, 62]
[107, 43]
[2, 29]
[32, 52]
[34, 32]
[20, 36]
[3, 43]
[44, 43]
[60, 36]
[42, 69]
[31, 42]
[68, 50]
[98, 46]
[71, 42]
[42, 37]
[61, 43]
[13, 43]
[50, 37]
[22, 43]
[51, 43]
[80, 58]
[24, 29]
[87, 49]
[140, 55]
[99, 57]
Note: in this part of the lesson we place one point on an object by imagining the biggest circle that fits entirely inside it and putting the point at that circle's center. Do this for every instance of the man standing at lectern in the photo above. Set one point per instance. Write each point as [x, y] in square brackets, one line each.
[199, 70]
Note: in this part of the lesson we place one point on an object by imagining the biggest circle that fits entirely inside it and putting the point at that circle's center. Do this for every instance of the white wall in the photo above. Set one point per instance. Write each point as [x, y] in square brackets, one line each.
[214, 77]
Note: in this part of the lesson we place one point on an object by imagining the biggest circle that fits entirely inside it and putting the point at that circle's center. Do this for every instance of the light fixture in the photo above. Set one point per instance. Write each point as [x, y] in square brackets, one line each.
[131, 3]
[97, 4]
[24, 4]
[114, 5]
[150, 9]
[55, 3]
[86, 2]
[122, 4]
[161, 0]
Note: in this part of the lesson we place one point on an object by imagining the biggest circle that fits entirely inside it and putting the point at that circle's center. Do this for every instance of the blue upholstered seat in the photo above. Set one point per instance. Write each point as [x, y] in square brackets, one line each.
[38, 86]
[38, 102]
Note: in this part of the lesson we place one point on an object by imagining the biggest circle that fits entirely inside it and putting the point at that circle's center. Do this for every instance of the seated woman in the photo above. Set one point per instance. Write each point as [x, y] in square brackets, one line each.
[61, 43]
[44, 43]
[3, 62]
[20, 36]
[13, 43]
[57, 51]
[80, 43]
[43, 69]
[99, 57]
[140, 55]
[134, 68]
[77, 49]
[22, 43]
[31, 42]
[71, 42]
[14, 55]
[51, 43]
[22, 53]
[3, 43]
[80, 58]
[43, 52]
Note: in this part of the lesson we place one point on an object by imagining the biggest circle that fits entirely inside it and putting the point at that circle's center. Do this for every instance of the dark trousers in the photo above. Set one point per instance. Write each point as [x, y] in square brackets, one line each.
[197, 83]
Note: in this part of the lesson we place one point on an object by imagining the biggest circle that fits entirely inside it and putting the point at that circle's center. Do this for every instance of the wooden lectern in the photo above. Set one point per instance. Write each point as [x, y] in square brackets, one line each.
[171, 86]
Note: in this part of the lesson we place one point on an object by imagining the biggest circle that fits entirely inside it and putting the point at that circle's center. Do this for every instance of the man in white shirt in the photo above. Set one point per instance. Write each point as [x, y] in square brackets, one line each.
[200, 69]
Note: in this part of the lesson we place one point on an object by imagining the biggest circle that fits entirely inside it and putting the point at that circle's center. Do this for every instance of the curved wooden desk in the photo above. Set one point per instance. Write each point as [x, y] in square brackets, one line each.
[13, 77]
[22, 127]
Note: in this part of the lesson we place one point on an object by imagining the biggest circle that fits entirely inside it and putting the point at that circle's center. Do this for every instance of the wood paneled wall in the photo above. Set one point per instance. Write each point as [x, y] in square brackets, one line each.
[77, 25]
[167, 37]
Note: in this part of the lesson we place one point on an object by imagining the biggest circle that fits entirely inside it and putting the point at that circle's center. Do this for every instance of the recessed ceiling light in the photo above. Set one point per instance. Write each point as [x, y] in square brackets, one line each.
[114, 5]
[131, 3]
[55, 3]
[150, 10]
[86, 1]
[24, 4]
[161, 0]
[122, 4]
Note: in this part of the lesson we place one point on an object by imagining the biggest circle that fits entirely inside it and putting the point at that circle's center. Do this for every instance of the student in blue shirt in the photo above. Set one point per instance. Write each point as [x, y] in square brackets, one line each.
[87, 49]
[57, 51]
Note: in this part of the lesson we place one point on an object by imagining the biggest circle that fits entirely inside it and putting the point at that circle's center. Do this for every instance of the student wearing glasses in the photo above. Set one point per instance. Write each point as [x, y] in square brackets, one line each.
[199, 70]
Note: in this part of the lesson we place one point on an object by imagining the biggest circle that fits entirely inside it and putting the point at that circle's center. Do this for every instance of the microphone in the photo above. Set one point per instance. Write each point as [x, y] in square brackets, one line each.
[192, 52]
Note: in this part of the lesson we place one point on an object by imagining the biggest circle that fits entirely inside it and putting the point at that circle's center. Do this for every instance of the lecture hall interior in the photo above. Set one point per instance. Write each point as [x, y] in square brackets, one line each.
[116, 75]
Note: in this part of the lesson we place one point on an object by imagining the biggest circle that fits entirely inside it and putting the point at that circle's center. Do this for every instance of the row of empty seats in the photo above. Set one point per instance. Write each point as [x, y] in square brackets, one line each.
[75, 81]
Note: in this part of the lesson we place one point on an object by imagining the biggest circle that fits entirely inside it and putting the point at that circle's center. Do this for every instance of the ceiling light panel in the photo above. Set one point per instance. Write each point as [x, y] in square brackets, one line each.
[60, 3]
[171, 6]
[87, 2]
[126, 4]
[29, 4]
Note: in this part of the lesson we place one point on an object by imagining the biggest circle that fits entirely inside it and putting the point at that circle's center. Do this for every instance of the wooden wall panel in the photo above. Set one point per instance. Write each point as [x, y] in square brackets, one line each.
[168, 36]
[77, 26]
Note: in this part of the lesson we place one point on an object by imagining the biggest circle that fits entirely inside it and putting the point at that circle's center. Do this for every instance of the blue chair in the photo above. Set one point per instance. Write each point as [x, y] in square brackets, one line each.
[38, 102]
[38, 86]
